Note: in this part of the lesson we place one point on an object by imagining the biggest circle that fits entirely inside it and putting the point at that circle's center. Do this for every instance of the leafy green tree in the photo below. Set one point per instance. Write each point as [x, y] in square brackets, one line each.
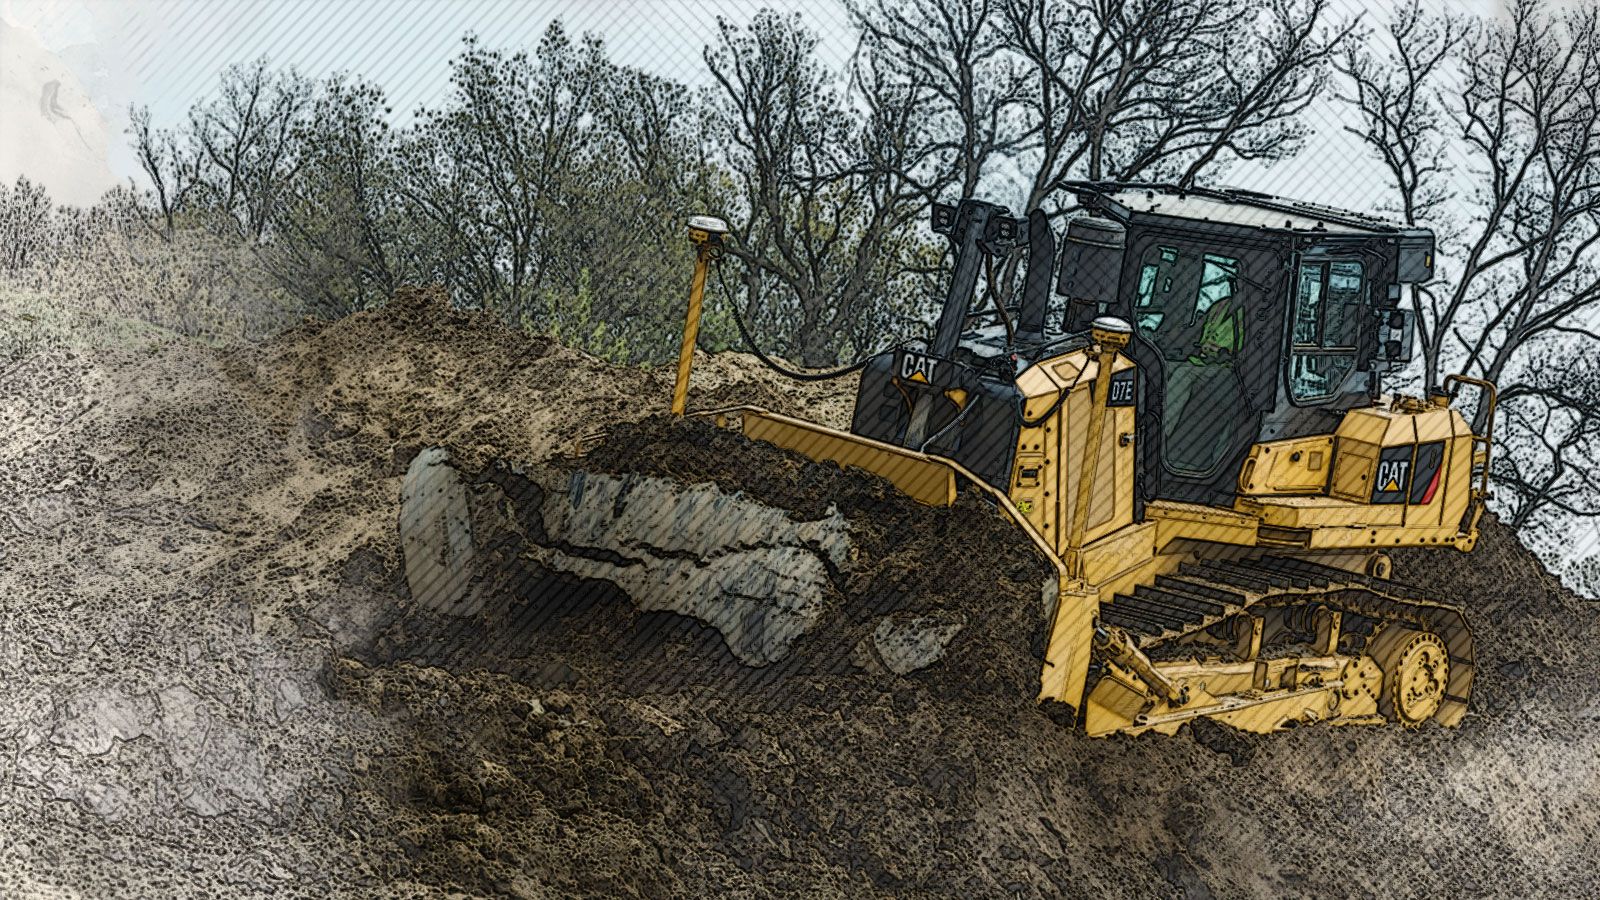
[553, 188]
[497, 171]
[341, 239]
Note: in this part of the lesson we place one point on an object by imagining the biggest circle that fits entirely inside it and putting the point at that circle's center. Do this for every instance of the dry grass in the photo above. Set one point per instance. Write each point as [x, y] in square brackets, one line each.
[121, 285]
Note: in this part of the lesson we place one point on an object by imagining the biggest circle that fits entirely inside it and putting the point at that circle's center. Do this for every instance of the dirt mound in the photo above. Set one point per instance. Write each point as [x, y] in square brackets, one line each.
[901, 567]
[216, 681]
[888, 599]
[419, 372]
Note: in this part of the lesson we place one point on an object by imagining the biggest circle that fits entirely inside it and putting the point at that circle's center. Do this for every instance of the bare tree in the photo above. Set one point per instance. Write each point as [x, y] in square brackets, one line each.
[1552, 467]
[168, 163]
[1521, 299]
[1131, 89]
[1526, 121]
[956, 51]
[1250, 105]
[1402, 117]
[243, 142]
[826, 194]
[1531, 112]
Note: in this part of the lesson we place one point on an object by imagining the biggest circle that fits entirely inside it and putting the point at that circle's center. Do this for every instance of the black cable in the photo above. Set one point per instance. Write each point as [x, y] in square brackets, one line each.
[778, 367]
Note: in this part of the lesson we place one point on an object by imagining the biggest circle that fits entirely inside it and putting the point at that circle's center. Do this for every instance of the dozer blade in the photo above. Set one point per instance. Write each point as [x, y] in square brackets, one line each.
[933, 481]
[926, 479]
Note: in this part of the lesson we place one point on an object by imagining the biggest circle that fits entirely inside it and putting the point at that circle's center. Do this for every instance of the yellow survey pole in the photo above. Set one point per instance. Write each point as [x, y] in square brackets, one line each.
[1111, 335]
[706, 234]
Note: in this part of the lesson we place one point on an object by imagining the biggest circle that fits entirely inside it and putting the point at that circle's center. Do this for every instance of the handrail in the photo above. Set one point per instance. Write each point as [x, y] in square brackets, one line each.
[1489, 394]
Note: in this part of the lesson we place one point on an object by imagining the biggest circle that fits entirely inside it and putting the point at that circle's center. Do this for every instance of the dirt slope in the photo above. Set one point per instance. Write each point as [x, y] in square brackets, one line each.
[215, 682]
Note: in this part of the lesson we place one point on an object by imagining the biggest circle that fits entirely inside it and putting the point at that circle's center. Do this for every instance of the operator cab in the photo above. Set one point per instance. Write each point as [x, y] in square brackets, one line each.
[1255, 318]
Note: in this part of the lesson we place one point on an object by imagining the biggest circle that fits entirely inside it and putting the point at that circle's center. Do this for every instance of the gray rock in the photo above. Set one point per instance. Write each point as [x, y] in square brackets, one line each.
[906, 644]
[749, 570]
[436, 532]
[91, 722]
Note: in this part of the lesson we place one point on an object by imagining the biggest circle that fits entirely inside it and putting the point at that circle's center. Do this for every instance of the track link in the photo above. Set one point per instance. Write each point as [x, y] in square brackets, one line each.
[1204, 594]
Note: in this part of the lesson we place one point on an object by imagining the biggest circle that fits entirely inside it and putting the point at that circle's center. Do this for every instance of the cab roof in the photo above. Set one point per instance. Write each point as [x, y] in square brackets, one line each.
[1147, 203]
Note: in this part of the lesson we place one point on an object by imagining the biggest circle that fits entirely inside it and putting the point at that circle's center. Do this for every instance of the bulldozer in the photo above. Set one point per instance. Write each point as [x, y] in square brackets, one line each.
[1183, 409]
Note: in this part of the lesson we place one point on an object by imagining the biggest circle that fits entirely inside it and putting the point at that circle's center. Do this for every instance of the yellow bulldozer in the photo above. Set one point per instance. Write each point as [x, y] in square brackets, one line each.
[1184, 410]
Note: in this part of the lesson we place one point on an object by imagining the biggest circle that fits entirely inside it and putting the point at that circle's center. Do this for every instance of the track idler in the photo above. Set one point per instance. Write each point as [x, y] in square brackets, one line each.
[1416, 673]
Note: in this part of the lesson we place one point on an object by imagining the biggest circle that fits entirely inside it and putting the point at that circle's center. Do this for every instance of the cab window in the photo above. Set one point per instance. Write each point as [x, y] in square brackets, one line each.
[1155, 286]
[1189, 305]
[1327, 321]
[1219, 280]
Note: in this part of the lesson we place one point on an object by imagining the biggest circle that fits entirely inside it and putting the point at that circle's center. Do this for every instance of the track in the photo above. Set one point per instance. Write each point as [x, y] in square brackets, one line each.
[1185, 608]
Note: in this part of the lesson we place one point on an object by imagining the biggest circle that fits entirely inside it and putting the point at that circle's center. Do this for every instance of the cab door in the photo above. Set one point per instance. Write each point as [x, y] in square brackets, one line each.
[1204, 329]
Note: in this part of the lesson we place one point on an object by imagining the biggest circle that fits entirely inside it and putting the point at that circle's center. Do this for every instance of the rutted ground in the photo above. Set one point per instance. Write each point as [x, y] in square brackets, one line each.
[216, 682]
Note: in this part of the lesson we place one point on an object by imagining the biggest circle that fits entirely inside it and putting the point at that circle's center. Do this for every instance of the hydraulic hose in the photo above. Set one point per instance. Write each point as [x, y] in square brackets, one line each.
[781, 369]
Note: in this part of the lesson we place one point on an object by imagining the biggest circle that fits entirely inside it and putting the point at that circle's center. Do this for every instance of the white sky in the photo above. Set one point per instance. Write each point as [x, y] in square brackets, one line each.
[167, 53]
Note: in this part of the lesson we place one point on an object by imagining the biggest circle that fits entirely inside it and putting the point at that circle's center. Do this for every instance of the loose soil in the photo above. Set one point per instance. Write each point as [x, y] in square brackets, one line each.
[216, 683]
